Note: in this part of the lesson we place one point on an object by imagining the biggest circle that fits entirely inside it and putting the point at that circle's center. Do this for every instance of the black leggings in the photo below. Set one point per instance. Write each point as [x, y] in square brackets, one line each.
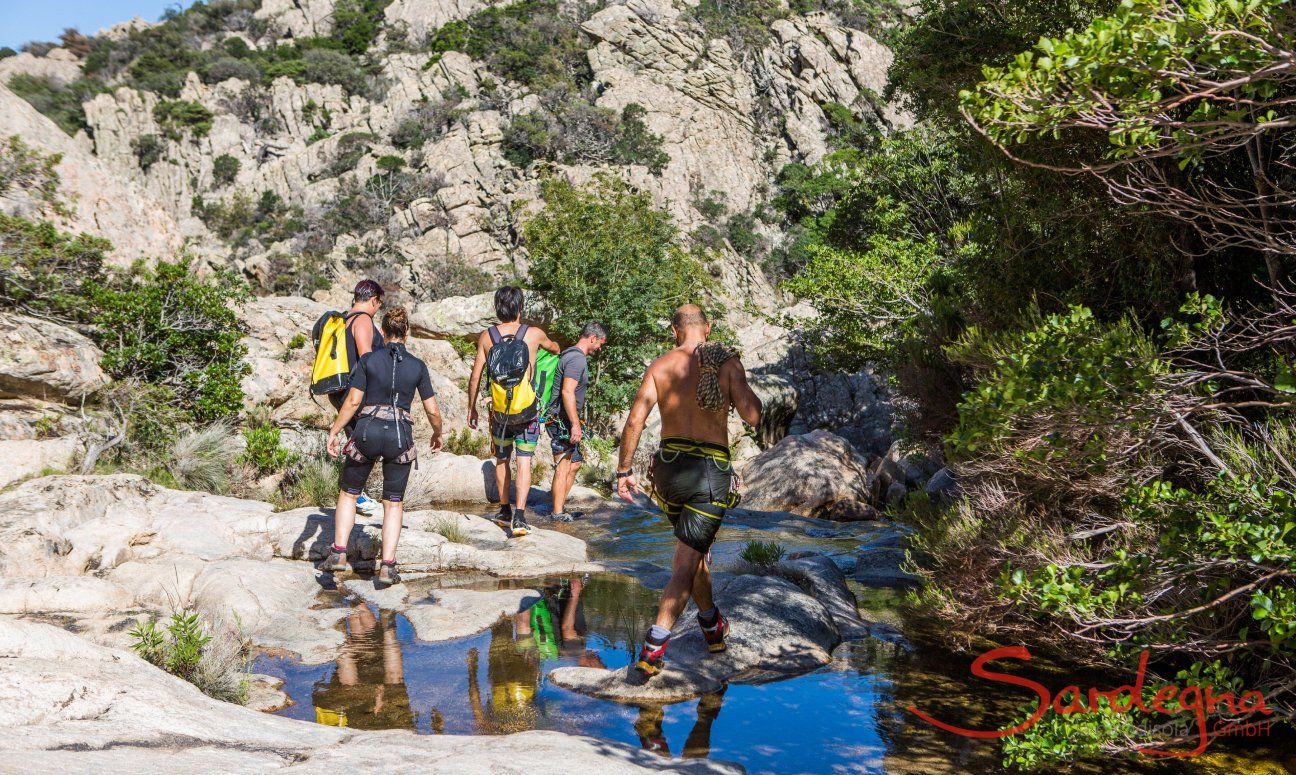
[379, 439]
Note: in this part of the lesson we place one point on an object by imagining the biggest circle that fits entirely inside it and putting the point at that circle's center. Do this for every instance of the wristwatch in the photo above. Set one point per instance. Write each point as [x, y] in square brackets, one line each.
[625, 473]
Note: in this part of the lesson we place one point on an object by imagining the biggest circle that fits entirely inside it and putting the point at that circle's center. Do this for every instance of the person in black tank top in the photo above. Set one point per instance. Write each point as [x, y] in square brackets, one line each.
[363, 334]
[383, 386]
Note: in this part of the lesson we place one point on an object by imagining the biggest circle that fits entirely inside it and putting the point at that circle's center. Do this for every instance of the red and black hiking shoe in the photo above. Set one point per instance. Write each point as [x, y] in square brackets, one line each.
[651, 658]
[715, 634]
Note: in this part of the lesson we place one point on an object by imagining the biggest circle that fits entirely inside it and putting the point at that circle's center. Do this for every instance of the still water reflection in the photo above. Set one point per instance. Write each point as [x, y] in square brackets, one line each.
[845, 717]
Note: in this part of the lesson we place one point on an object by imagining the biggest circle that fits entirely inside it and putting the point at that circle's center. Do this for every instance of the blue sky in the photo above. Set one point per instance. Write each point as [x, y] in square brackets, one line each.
[26, 20]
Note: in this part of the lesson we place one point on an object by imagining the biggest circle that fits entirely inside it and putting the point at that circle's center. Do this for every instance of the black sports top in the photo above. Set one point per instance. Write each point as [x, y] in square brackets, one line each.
[392, 367]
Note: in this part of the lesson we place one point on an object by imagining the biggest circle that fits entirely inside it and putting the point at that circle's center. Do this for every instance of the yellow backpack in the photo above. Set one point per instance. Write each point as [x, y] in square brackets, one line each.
[508, 366]
[332, 370]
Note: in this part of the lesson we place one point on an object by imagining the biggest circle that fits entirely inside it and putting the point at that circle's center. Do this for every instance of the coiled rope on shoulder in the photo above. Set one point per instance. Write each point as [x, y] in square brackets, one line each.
[711, 356]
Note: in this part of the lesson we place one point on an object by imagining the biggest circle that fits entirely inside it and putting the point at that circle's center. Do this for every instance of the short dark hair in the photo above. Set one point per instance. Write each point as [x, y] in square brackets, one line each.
[689, 315]
[368, 289]
[595, 330]
[508, 304]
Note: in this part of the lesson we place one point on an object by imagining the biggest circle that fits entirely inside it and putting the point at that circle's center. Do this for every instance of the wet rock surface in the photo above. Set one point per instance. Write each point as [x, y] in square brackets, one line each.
[777, 627]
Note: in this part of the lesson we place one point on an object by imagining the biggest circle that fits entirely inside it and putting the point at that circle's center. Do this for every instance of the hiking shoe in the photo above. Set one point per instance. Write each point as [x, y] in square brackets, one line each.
[335, 561]
[503, 517]
[387, 575]
[562, 516]
[715, 634]
[651, 659]
[366, 505]
[519, 526]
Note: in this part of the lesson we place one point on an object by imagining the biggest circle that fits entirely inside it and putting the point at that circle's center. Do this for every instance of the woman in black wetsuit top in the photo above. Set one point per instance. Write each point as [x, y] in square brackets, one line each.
[382, 391]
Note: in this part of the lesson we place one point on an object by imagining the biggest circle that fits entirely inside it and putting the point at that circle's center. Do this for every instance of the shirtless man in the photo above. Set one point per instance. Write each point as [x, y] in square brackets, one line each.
[691, 473]
[507, 436]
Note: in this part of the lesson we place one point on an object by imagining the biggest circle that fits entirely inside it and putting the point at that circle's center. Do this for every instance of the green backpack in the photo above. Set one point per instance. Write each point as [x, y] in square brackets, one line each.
[546, 368]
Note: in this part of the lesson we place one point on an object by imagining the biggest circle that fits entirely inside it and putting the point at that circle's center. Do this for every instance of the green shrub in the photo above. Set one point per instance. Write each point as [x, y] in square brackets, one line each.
[61, 103]
[426, 122]
[172, 328]
[224, 169]
[264, 454]
[184, 649]
[356, 23]
[175, 117]
[532, 42]
[762, 554]
[440, 277]
[351, 148]
[312, 483]
[48, 272]
[27, 169]
[6, 52]
[322, 65]
[389, 163]
[229, 67]
[148, 149]
[578, 132]
[468, 442]
[573, 240]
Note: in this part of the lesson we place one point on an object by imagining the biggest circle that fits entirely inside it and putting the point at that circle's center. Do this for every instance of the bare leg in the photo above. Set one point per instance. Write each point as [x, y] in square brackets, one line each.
[502, 479]
[523, 482]
[393, 516]
[344, 518]
[702, 587]
[560, 486]
[684, 569]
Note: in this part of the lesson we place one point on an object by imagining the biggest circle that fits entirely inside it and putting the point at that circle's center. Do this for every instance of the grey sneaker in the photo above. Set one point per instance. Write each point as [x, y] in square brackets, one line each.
[387, 575]
[519, 526]
[336, 561]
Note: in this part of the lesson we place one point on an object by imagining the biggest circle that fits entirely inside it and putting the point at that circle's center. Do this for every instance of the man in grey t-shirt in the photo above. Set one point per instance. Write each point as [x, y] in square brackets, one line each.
[565, 430]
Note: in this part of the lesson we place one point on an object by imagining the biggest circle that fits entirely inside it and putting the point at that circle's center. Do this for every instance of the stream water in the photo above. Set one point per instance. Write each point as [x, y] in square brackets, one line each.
[848, 716]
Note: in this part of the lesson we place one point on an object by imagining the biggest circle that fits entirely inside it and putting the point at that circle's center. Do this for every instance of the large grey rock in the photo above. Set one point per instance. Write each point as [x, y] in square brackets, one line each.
[26, 458]
[281, 374]
[776, 627]
[45, 360]
[59, 65]
[815, 474]
[95, 547]
[456, 316]
[101, 201]
[73, 706]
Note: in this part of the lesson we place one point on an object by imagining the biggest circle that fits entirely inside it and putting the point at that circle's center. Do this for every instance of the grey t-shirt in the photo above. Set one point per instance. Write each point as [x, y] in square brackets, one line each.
[572, 363]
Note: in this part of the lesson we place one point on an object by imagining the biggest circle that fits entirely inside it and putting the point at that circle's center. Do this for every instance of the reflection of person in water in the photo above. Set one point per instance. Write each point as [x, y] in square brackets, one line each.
[698, 744]
[367, 688]
[552, 627]
[556, 624]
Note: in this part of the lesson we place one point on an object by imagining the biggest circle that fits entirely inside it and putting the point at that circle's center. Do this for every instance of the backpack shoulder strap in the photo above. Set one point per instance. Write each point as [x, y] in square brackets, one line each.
[494, 333]
[522, 329]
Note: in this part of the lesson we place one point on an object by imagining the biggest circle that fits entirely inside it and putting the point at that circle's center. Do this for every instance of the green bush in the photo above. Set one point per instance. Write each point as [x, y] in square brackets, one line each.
[184, 649]
[764, 554]
[577, 132]
[229, 67]
[389, 163]
[426, 122]
[148, 149]
[48, 272]
[27, 169]
[6, 52]
[175, 117]
[532, 42]
[311, 483]
[451, 528]
[224, 169]
[468, 442]
[322, 65]
[264, 454]
[573, 241]
[351, 148]
[61, 103]
[171, 328]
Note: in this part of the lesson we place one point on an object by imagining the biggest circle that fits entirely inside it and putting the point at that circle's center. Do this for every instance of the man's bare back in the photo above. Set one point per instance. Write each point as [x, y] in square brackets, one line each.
[675, 376]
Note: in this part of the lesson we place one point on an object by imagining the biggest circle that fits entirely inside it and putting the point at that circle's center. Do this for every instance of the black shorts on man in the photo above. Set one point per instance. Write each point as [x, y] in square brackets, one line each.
[692, 483]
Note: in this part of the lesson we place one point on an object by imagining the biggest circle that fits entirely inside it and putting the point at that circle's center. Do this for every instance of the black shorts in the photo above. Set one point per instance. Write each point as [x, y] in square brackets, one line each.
[691, 482]
[385, 440]
[560, 440]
